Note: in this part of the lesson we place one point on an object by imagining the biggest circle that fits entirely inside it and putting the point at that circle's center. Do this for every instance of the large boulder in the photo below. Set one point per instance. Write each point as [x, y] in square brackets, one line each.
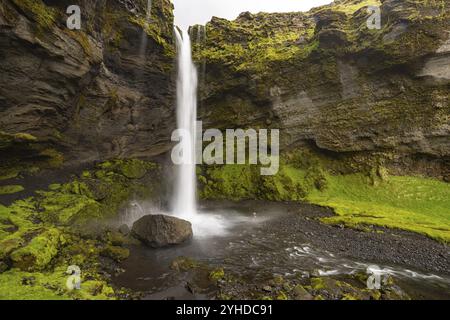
[159, 231]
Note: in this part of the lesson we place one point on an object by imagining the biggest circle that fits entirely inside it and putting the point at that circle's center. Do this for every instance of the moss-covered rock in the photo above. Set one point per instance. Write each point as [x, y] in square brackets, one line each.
[41, 236]
[11, 189]
[332, 85]
[39, 252]
[116, 253]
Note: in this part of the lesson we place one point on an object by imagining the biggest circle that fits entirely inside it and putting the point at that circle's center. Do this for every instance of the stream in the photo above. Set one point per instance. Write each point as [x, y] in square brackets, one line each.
[258, 241]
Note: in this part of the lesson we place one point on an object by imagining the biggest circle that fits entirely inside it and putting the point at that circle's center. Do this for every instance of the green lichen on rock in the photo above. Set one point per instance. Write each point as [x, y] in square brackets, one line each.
[248, 44]
[115, 252]
[41, 236]
[20, 285]
[217, 274]
[182, 264]
[152, 30]
[295, 287]
[11, 189]
[38, 253]
[45, 16]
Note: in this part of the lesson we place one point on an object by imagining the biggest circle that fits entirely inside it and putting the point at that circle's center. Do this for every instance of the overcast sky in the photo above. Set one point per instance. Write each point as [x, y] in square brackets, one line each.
[190, 12]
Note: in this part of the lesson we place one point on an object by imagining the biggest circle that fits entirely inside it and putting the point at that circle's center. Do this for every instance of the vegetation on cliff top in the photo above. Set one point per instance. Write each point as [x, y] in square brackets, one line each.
[254, 42]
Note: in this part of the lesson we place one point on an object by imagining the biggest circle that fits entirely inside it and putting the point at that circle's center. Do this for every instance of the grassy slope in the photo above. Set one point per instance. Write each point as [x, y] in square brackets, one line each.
[409, 203]
[415, 204]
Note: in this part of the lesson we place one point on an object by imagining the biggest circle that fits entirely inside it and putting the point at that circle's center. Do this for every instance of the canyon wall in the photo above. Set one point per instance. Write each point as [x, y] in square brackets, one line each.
[365, 97]
[78, 96]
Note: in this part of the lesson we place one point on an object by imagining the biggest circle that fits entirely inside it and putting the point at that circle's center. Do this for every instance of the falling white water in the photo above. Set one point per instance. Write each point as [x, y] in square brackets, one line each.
[144, 36]
[184, 205]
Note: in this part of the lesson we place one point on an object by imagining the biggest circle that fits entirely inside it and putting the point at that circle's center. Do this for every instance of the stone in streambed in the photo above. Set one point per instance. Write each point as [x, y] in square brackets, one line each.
[124, 229]
[158, 231]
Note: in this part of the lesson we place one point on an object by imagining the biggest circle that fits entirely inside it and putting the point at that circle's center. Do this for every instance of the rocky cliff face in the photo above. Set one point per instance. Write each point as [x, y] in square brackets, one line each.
[332, 85]
[71, 96]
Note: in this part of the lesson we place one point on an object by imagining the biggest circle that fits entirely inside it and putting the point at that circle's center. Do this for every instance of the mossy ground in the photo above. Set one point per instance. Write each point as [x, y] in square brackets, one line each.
[409, 203]
[68, 225]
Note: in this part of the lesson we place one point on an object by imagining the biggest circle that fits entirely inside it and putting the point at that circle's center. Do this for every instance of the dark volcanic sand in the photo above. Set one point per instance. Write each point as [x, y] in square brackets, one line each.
[389, 247]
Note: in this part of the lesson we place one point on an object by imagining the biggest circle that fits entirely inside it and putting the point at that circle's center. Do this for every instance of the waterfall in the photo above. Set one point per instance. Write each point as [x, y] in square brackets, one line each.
[184, 202]
[144, 36]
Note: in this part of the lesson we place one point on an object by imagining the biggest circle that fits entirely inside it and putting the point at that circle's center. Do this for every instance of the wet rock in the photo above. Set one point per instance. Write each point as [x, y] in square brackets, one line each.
[267, 288]
[158, 231]
[184, 264]
[116, 253]
[394, 292]
[124, 229]
[300, 293]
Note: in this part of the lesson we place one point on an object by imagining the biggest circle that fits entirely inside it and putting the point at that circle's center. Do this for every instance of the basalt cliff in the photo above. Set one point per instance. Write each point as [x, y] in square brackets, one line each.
[333, 85]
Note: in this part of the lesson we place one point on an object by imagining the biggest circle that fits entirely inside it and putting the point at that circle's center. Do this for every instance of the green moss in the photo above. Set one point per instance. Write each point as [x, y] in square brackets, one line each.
[155, 32]
[9, 244]
[37, 254]
[83, 40]
[282, 296]
[350, 7]
[134, 169]
[7, 139]
[54, 186]
[8, 173]
[318, 283]
[217, 274]
[42, 14]
[409, 203]
[184, 264]
[239, 182]
[233, 182]
[50, 231]
[116, 253]
[94, 290]
[11, 189]
[19, 285]
[67, 209]
[55, 158]
[252, 47]
[131, 168]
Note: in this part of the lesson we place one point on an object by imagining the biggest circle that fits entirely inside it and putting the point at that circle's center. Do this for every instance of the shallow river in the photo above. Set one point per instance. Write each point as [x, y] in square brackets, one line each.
[257, 245]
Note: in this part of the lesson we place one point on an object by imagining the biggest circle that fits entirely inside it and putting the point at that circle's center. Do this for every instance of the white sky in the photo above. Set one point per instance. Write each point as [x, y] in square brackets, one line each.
[190, 12]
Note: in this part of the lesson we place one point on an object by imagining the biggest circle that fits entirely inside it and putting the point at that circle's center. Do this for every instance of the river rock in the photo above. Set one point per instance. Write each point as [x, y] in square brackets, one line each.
[124, 229]
[158, 231]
